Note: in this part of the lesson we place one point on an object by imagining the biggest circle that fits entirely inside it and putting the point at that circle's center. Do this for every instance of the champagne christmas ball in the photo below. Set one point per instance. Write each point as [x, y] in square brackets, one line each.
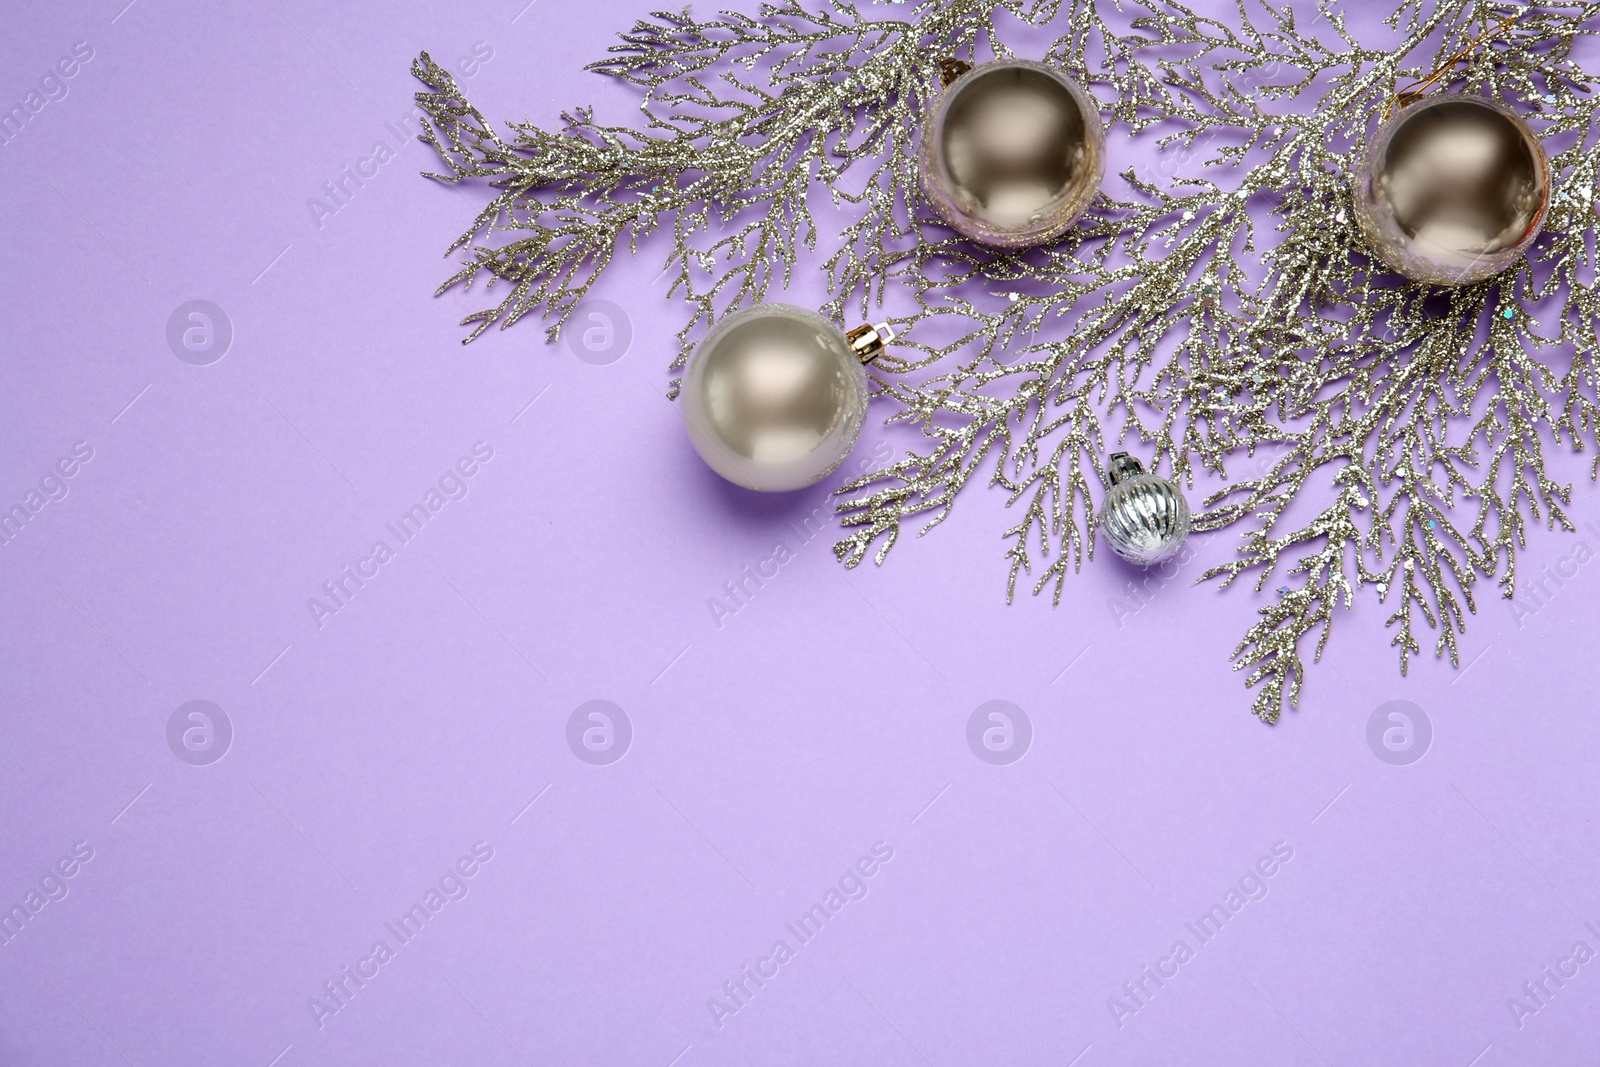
[1145, 518]
[1012, 153]
[774, 396]
[1452, 189]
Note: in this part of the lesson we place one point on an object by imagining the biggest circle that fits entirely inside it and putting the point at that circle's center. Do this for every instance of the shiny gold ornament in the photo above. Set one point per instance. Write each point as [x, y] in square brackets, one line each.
[775, 396]
[1452, 189]
[1012, 152]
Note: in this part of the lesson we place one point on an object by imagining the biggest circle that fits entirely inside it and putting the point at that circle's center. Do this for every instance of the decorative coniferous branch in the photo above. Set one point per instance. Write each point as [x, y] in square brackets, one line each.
[1397, 404]
[1418, 402]
[1391, 435]
[744, 118]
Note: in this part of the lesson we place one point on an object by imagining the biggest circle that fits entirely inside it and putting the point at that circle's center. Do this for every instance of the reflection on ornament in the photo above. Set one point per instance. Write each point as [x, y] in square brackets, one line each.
[1452, 189]
[774, 397]
[1012, 153]
[1145, 518]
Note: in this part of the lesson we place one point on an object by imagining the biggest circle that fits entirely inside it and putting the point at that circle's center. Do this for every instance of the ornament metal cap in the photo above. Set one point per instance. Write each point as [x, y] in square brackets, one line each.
[867, 342]
[1122, 466]
[1404, 98]
[952, 68]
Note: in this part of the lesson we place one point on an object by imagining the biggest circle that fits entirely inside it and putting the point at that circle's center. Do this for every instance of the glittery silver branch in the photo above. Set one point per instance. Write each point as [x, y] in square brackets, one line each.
[745, 118]
[1120, 329]
[1383, 434]
[1375, 412]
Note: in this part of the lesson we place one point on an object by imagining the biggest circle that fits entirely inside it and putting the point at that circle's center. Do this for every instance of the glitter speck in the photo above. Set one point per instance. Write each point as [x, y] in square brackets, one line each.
[1188, 216]
[1508, 313]
[1013, 297]
[1283, 591]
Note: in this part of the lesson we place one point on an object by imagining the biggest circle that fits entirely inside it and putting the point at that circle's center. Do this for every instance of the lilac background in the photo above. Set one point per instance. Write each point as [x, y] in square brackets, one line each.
[768, 754]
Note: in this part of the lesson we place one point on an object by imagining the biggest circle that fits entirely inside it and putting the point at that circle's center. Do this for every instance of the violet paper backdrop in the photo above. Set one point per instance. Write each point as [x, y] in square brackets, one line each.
[420, 767]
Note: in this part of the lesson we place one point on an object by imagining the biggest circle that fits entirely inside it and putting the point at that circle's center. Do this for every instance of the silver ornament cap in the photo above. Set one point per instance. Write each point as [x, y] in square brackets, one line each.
[1012, 152]
[775, 396]
[1452, 189]
[1145, 519]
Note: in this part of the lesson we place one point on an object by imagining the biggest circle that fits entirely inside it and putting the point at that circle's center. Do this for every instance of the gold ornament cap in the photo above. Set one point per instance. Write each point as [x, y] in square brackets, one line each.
[952, 68]
[1404, 98]
[867, 342]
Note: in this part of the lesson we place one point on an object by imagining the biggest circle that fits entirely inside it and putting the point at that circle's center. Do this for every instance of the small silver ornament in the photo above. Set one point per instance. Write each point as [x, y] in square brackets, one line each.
[774, 397]
[1012, 152]
[1145, 518]
[1452, 189]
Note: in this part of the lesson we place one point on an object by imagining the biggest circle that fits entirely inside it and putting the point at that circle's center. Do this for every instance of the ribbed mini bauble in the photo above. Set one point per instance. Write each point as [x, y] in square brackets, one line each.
[1145, 518]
